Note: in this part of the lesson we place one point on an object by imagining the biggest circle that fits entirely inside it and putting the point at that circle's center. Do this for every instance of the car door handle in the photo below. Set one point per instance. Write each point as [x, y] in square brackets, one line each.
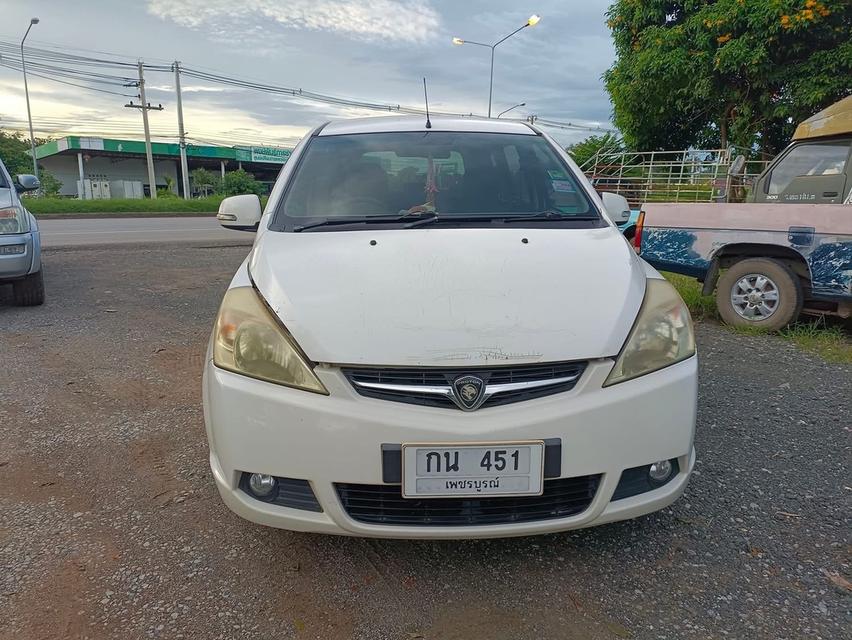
[829, 194]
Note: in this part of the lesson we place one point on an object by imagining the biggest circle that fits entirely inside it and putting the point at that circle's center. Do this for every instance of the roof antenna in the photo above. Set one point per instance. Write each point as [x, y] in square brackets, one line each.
[426, 95]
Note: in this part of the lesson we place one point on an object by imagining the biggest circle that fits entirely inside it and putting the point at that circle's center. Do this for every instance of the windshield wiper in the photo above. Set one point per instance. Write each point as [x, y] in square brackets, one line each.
[501, 218]
[550, 214]
[420, 220]
[329, 222]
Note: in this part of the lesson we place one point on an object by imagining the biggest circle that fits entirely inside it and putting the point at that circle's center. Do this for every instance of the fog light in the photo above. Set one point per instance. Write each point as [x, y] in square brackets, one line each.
[261, 485]
[660, 471]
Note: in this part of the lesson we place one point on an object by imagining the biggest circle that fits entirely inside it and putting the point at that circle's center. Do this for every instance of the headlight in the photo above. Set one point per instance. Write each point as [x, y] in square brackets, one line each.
[249, 340]
[661, 335]
[12, 220]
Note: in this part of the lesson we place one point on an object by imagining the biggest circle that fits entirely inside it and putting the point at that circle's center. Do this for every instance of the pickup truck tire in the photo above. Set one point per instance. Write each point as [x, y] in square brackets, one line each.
[29, 291]
[759, 292]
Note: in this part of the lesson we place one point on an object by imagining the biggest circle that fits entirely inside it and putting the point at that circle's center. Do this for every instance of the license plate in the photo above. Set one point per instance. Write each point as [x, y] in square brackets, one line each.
[442, 470]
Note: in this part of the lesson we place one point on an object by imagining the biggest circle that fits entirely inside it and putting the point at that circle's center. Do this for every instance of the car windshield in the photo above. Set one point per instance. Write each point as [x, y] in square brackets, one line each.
[451, 174]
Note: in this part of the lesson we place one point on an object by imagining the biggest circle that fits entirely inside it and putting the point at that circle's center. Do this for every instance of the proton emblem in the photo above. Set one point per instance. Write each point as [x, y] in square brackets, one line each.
[468, 392]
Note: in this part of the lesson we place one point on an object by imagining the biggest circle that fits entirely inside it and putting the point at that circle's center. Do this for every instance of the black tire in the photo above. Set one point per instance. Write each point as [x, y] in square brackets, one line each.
[783, 308]
[29, 292]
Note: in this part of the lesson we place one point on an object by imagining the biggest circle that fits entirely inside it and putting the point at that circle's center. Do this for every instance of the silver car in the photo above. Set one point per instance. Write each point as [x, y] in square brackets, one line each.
[20, 247]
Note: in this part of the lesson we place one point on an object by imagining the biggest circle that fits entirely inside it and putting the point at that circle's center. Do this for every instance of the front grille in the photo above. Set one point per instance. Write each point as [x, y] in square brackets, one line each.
[439, 377]
[383, 504]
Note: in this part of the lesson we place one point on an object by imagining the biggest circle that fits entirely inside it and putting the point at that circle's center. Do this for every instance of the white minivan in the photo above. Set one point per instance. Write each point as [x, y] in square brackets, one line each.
[440, 333]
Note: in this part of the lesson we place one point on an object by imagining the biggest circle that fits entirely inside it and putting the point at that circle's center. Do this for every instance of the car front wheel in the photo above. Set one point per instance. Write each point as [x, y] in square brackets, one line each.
[29, 291]
[759, 292]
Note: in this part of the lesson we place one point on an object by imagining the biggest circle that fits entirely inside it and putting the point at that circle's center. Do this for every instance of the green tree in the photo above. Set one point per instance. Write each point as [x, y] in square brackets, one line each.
[238, 182]
[169, 190]
[586, 149]
[50, 184]
[203, 180]
[14, 152]
[719, 72]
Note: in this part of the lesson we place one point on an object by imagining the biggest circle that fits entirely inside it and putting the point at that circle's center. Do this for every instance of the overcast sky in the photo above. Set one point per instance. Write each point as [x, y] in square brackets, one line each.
[374, 50]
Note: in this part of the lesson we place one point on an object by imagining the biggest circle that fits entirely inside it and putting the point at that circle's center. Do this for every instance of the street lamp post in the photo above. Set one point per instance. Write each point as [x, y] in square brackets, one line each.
[531, 22]
[520, 104]
[27, 94]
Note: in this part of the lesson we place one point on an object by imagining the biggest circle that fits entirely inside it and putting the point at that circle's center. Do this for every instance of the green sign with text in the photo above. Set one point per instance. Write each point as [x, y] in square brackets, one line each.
[270, 154]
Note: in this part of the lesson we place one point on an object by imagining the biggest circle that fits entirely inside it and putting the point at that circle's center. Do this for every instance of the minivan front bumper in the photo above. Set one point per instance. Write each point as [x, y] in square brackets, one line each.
[258, 427]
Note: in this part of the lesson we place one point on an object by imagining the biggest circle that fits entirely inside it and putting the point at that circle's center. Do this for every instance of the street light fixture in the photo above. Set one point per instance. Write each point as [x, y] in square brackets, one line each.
[531, 22]
[27, 94]
[521, 104]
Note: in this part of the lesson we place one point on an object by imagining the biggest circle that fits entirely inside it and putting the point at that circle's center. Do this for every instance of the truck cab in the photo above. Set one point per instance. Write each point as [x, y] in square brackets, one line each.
[815, 168]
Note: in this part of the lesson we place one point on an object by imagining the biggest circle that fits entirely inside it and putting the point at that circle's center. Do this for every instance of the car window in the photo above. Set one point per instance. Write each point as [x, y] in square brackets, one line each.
[816, 159]
[451, 173]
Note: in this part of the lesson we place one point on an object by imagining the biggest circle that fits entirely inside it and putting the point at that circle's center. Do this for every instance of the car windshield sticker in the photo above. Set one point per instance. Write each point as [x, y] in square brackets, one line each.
[563, 186]
[556, 174]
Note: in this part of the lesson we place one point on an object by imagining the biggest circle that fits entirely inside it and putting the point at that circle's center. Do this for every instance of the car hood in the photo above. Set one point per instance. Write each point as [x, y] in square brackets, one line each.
[451, 297]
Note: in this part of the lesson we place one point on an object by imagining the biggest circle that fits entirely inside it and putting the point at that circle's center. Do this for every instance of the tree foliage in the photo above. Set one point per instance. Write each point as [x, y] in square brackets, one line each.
[717, 72]
[50, 184]
[203, 181]
[238, 182]
[584, 150]
[14, 152]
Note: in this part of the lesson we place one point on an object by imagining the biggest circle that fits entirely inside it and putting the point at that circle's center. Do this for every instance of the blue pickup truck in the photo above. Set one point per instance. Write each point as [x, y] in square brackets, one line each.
[20, 246]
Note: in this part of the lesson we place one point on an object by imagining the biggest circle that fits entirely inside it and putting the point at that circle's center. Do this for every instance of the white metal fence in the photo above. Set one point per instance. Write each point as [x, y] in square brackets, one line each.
[691, 175]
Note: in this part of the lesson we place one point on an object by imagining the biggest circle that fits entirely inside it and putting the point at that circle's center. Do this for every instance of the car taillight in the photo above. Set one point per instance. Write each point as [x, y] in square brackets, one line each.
[637, 236]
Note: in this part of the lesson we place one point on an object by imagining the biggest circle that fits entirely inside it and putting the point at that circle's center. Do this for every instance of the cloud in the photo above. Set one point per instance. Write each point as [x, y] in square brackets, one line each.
[394, 20]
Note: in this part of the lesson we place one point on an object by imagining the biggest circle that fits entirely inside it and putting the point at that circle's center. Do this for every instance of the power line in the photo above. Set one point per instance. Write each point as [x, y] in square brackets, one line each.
[49, 45]
[73, 84]
[111, 77]
[220, 78]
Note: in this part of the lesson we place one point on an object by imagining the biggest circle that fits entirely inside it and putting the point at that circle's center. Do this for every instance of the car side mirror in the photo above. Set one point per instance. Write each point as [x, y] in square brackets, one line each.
[26, 182]
[240, 212]
[616, 207]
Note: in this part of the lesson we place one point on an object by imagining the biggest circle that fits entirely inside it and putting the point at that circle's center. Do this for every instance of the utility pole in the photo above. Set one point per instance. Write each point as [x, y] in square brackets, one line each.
[184, 169]
[145, 107]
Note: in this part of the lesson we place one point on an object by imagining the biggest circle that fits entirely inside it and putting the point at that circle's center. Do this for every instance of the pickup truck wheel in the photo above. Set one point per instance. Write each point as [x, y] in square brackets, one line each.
[29, 291]
[759, 292]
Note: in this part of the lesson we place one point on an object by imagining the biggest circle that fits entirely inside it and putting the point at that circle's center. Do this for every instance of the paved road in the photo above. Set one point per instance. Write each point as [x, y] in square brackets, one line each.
[78, 232]
[110, 525]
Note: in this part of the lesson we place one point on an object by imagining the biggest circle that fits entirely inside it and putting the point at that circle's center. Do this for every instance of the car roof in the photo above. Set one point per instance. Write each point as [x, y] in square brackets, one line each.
[391, 124]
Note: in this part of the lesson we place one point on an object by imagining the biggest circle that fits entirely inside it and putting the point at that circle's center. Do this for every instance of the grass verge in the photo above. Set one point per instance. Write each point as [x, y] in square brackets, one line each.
[825, 337]
[701, 307]
[60, 206]
[832, 342]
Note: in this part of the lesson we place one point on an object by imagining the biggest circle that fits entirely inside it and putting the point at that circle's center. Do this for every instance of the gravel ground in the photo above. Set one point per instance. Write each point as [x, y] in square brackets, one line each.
[110, 525]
